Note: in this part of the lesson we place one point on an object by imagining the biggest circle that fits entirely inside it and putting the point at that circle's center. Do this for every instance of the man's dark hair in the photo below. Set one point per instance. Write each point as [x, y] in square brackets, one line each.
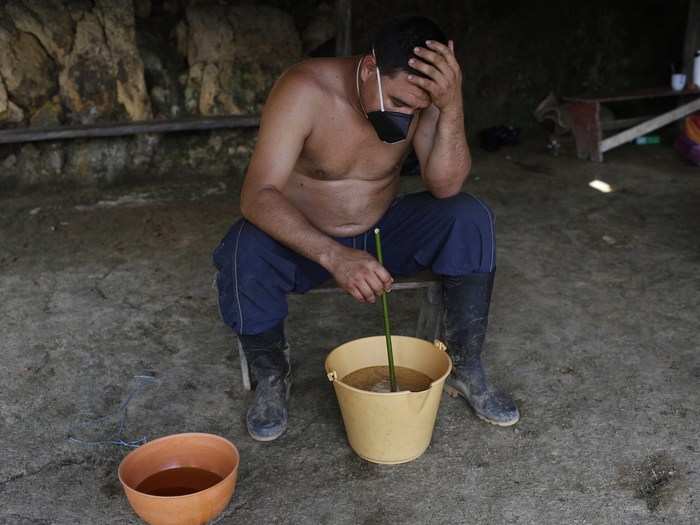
[394, 42]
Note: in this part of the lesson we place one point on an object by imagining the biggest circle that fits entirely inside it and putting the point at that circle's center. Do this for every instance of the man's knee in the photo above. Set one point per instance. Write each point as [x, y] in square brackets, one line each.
[464, 208]
[472, 234]
[253, 279]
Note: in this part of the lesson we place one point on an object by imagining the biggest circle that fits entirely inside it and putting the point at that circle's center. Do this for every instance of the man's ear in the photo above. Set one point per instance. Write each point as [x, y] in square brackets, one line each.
[369, 65]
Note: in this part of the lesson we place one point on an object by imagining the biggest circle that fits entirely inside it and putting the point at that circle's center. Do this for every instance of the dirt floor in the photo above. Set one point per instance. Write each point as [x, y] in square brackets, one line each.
[594, 330]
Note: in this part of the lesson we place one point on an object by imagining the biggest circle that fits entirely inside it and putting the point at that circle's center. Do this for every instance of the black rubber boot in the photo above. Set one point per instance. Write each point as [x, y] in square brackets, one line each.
[268, 360]
[467, 300]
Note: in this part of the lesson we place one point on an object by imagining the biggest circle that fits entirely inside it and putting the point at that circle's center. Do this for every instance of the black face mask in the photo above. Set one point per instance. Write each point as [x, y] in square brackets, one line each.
[391, 126]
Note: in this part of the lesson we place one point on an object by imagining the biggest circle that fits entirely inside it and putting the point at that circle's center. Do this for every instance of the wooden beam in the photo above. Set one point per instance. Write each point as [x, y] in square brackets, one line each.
[343, 24]
[127, 128]
[607, 125]
[692, 38]
[415, 285]
[649, 125]
[424, 279]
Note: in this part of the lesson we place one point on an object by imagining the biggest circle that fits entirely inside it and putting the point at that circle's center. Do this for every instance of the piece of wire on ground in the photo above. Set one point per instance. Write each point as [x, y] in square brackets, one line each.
[120, 417]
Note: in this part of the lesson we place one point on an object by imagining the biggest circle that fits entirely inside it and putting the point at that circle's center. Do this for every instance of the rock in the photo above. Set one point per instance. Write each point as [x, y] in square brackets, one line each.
[92, 46]
[117, 18]
[15, 115]
[10, 113]
[49, 21]
[142, 150]
[40, 163]
[235, 53]
[9, 162]
[104, 70]
[162, 65]
[224, 153]
[88, 78]
[28, 73]
[91, 162]
[48, 115]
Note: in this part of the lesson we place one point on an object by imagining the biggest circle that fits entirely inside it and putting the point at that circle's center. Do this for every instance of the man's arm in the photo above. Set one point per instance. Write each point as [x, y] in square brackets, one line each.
[440, 141]
[286, 122]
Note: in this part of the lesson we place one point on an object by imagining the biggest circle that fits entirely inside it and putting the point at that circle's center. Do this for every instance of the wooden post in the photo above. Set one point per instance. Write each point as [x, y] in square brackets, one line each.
[585, 125]
[343, 24]
[692, 38]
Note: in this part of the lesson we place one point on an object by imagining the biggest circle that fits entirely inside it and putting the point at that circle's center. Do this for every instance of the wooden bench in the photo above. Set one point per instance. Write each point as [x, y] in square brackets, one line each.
[429, 315]
[588, 129]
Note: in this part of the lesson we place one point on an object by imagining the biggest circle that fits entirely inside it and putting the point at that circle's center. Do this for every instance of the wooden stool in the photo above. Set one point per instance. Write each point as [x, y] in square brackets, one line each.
[429, 316]
[588, 128]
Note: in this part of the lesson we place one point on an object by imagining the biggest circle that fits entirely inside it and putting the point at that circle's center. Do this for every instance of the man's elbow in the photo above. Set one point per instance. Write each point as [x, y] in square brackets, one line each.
[253, 199]
[245, 204]
[445, 193]
[249, 203]
[448, 188]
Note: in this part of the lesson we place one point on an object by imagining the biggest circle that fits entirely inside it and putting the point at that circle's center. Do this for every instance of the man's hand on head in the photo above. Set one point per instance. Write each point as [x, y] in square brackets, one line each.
[444, 83]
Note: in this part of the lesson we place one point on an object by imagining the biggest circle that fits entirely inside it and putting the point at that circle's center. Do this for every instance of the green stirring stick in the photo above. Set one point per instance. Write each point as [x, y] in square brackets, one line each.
[387, 326]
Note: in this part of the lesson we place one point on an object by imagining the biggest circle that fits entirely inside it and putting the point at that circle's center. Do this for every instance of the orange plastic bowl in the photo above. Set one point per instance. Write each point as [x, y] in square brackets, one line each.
[204, 451]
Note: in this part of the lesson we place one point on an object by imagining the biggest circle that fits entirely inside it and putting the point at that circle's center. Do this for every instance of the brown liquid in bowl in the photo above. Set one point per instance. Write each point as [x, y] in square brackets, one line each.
[178, 481]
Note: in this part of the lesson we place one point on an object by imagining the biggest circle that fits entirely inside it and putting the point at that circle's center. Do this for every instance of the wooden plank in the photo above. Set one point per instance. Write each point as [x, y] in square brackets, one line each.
[117, 129]
[692, 38]
[637, 95]
[623, 122]
[343, 21]
[410, 285]
[424, 279]
[650, 125]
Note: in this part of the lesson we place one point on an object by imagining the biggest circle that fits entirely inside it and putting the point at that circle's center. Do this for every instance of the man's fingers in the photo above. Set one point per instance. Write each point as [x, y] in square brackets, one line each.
[446, 52]
[432, 57]
[367, 292]
[428, 69]
[376, 284]
[385, 277]
[357, 295]
[429, 85]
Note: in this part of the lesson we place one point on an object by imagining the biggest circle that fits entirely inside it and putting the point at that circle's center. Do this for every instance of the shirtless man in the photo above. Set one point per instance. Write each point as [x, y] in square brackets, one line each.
[325, 172]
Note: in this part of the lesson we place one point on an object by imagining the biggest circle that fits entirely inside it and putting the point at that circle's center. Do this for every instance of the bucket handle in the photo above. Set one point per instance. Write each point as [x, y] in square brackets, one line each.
[332, 376]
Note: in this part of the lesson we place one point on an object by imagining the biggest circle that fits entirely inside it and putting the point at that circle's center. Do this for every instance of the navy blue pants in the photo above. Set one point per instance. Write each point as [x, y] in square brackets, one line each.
[453, 236]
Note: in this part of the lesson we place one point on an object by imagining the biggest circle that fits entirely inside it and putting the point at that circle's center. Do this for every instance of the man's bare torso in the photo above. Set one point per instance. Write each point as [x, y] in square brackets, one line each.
[345, 178]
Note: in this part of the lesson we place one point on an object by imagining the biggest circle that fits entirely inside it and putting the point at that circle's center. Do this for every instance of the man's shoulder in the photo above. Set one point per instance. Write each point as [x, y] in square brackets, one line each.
[312, 76]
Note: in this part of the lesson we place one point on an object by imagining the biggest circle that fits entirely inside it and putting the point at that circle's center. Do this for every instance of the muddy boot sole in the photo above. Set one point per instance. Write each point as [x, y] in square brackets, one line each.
[454, 392]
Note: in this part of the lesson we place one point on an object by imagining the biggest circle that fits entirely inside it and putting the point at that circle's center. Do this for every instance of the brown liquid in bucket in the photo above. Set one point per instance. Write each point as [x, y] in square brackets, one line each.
[376, 379]
[178, 482]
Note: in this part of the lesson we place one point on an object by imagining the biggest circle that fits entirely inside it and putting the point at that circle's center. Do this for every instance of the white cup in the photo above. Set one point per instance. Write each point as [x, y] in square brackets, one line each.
[677, 81]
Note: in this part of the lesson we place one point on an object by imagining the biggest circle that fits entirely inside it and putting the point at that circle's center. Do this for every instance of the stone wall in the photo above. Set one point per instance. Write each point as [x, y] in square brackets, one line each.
[66, 62]
[82, 62]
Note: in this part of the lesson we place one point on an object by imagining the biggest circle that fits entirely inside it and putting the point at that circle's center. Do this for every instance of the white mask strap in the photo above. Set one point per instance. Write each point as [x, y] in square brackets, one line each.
[379, 83]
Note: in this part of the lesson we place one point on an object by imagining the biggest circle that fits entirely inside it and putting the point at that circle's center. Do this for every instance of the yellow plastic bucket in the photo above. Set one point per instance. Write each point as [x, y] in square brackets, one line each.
[392, 427]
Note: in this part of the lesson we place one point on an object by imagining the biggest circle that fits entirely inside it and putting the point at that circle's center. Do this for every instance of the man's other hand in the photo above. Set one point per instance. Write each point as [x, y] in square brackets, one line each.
[359, 274]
